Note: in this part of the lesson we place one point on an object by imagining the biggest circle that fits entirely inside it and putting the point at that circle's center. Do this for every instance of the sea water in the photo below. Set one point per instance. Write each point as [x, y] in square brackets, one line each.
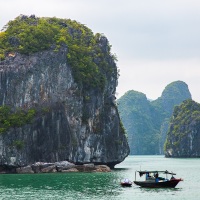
[105, 186]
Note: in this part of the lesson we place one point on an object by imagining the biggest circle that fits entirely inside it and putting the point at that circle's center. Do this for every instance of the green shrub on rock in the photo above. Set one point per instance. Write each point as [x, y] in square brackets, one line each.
[18, 118]
[88, 55]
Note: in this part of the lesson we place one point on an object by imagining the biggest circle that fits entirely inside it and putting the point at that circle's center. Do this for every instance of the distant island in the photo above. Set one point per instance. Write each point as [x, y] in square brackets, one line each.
[147, 122]
[183, 138]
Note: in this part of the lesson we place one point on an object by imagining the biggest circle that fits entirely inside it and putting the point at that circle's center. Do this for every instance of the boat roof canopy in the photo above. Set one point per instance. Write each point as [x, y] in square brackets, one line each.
[164, 172]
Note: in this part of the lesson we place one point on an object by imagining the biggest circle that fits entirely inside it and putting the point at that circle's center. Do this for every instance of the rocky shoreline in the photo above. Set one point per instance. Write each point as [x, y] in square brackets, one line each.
[63, 167]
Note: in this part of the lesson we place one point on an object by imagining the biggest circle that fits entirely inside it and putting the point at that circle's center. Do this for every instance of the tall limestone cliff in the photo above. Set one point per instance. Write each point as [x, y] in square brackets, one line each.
[183, 138]
[57, 87]
[147, 121]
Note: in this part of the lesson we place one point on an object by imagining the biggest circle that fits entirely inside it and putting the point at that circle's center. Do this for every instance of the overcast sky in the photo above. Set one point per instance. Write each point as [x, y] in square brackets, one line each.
[156, 41]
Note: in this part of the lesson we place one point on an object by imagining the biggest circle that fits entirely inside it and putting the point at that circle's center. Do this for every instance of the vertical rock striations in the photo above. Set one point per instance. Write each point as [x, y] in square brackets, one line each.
[72, 121]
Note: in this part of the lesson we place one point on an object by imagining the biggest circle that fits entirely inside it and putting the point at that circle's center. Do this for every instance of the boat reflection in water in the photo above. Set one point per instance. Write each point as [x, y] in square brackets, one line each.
[154, 180]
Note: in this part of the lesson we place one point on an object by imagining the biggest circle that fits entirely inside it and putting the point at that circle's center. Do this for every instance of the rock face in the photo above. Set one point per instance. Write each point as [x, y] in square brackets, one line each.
[184, 134]
[73, 124]
[147, 121]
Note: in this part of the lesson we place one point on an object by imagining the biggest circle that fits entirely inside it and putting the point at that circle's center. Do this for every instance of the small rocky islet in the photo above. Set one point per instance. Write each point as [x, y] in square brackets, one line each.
[63, 166]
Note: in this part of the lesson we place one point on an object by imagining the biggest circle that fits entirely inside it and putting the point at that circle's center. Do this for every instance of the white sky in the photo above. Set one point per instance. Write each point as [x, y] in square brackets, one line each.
[156, 41]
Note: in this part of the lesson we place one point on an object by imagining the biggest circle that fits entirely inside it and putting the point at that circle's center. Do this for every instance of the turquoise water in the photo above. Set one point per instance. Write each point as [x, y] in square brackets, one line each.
[105, 185]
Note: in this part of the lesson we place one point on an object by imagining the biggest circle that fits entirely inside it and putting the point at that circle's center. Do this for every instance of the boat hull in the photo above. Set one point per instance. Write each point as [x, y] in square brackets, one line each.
[164, 184]
[126, 184]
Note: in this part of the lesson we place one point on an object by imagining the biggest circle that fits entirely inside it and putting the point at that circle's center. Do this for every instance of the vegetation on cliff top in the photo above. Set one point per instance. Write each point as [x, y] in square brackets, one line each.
[89, 59]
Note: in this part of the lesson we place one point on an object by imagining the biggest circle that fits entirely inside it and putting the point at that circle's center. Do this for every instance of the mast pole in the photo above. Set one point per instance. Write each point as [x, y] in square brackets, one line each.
[135, 175]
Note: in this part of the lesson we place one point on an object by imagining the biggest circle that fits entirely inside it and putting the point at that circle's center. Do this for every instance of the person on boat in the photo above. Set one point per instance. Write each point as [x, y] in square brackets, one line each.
[126, 180]
[156, 177]
[148, 176]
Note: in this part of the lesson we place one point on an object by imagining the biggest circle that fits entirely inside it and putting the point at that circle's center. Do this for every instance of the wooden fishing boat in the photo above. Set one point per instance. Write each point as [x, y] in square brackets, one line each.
[154, 180]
